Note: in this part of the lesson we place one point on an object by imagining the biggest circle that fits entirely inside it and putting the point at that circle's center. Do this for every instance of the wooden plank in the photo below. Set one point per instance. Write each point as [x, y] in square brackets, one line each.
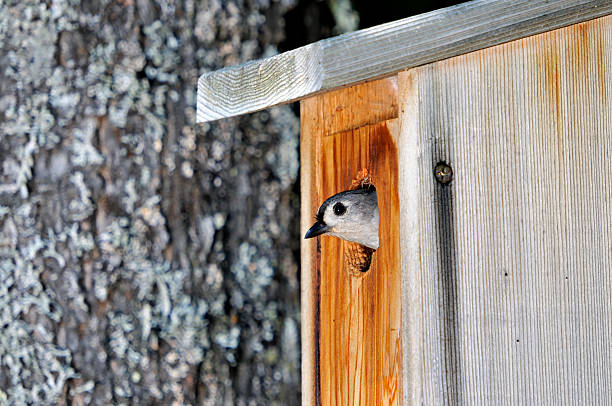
[382, 51]
[507, 270]
[351, 347]
[310, 257]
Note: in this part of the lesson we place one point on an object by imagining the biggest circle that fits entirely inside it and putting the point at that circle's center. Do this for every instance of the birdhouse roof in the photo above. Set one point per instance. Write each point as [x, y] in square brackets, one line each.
[381, 51]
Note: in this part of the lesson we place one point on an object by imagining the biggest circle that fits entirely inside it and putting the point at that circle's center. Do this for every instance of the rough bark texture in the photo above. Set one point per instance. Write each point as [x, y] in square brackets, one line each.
[143, 260]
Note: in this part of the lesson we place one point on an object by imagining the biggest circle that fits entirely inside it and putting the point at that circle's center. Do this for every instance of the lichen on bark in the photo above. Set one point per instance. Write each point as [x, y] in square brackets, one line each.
[143, 259]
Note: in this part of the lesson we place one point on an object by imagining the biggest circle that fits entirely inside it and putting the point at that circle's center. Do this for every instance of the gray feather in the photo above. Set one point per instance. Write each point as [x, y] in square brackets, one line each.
[359, 222]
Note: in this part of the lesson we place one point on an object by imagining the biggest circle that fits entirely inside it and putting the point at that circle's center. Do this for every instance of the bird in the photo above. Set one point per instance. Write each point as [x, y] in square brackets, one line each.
[351, 215]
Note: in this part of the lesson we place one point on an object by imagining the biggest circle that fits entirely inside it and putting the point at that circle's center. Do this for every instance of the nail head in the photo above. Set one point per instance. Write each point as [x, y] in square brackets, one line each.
[443, 173]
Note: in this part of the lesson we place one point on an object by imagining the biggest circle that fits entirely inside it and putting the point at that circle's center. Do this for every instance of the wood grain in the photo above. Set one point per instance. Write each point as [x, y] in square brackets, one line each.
[310, 251]
[353, 346]
[507, 271]
[382, 51]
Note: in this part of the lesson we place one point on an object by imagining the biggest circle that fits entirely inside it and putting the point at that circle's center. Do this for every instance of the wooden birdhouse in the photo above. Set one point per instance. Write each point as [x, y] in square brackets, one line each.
[486, 129]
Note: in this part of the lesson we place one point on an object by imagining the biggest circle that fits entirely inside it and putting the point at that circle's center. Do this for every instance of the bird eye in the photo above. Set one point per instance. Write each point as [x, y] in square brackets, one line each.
[339, 209]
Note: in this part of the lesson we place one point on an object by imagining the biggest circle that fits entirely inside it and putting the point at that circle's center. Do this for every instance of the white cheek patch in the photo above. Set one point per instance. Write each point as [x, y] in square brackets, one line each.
[331, 219]
[327, 218]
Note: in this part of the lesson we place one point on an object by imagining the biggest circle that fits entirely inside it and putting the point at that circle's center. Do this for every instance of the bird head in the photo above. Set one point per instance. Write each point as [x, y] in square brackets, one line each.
[351, 215]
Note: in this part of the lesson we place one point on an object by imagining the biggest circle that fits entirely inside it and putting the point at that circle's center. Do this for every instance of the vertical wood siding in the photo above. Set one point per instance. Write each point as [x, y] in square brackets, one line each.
[507, 270]
[351, 323]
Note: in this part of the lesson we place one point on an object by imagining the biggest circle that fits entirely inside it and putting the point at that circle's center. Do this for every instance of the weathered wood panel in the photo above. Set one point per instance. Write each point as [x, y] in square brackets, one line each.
[351, 323]
[383, 50]
[507, 271]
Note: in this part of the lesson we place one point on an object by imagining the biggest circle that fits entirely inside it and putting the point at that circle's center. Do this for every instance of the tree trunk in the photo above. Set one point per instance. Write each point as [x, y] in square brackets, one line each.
[143, 260]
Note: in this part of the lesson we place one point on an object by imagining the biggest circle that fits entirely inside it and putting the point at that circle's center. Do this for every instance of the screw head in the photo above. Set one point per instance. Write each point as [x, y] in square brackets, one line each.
[443, 173]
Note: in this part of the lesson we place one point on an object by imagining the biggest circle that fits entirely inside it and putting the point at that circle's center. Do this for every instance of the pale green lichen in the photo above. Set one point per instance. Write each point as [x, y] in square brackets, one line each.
[141, 254]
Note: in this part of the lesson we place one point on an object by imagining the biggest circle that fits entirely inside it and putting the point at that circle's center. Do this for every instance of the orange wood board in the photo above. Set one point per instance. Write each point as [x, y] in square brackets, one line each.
[351, 323]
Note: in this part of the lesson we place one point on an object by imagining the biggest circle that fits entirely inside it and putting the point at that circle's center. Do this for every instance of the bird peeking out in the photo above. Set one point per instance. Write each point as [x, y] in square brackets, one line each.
[351, 215]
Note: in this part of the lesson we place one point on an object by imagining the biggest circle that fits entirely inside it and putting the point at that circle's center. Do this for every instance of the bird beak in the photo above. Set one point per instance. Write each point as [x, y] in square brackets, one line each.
[317, 229]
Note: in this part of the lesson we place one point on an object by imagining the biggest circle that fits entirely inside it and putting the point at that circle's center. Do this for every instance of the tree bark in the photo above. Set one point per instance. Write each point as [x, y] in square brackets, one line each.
[143, 260]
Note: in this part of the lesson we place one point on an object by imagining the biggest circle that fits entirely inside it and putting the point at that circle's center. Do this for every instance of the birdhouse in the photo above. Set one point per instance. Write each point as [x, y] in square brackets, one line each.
[486, 129]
